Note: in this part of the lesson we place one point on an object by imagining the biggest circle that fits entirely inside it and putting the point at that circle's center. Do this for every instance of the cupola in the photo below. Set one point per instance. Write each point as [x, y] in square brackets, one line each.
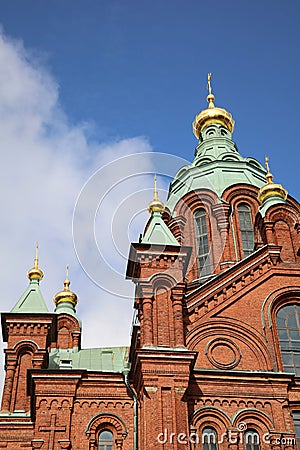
[271, 189]
[212, 115]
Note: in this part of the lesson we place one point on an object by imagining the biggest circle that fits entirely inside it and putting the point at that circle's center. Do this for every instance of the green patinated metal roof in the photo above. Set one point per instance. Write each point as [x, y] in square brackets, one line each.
[67, 308]
[32, 300]
[217, 166]
[106, 359]
[158, 232]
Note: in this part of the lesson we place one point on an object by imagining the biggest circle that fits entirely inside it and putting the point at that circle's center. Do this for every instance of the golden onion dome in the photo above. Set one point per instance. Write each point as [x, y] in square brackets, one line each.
[35, 273]
[66, 295]
[212, 115]
[156, 204]
[271, 189]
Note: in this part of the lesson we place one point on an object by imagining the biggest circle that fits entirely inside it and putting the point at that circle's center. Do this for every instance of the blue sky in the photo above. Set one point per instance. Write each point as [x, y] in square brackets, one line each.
[85, 82]
[138, 68]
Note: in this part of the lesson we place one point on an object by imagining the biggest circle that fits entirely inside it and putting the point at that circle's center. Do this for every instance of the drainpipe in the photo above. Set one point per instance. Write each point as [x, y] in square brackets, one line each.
[135, 409]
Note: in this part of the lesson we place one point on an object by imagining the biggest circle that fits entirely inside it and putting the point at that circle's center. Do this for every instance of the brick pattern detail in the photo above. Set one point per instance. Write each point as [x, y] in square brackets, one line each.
[205, 353]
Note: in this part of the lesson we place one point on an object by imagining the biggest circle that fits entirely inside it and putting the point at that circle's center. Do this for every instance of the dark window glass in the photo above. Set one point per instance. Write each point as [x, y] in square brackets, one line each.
[202, 243]
[296, 418]
[209, 439]
[106, 440]
[246, 229]
[288, 326]
[252, 440]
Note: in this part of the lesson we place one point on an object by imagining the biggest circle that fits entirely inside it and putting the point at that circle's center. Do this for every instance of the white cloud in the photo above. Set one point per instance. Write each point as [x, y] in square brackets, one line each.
[45, 162]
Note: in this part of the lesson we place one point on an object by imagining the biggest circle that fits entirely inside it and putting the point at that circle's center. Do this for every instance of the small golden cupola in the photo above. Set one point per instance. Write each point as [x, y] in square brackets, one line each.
[156, 204]
[66, 295]
[212, 115]
[271, 189]
[35, 273]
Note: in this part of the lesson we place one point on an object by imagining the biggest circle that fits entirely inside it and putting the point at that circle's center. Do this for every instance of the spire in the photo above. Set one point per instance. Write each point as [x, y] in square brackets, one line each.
[210, 98]
[157, 232]
[212, 115]
[66, 295]
[32, 300]
[35, 273]
[156, 204]
[271, 189]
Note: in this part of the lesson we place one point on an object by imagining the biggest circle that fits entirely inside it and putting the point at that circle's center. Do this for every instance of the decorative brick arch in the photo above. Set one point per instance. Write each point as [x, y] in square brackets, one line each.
[253, 418]
[162, 280]
[107, 421]
[232, 334]
[209, 416]
[29, 346]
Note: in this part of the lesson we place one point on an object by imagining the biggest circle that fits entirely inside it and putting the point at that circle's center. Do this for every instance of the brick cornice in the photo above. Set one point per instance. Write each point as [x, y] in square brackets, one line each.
[223, 286]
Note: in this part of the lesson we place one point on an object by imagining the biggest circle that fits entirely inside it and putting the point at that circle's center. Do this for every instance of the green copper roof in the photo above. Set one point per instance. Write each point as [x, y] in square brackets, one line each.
[32, 300]
[67, 308]
[217, 165]
[158, 232]
[108, 359]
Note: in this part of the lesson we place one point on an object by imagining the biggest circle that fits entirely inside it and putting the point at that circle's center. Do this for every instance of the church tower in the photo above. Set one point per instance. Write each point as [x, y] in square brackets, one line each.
[28, 330]
[215, 352]
[214, 359]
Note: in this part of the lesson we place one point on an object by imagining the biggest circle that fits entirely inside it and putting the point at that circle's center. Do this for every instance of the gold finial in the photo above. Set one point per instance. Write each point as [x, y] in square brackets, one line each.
[155, 188]
[66, 295]
[156, 204]
[269, 176]
[271, 189]
[212, 115]
[208, 87]
[210, 98]
[67, 281]
[35, 273]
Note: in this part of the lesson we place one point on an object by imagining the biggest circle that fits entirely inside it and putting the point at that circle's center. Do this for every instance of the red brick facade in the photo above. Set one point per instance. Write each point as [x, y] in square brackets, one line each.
[205, 352]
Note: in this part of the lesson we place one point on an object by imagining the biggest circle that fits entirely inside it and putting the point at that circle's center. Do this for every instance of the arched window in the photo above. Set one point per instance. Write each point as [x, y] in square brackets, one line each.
[106, 440]
[252, 440]
[246, 229]
[288, 326]
[201, 235]
[209, 439]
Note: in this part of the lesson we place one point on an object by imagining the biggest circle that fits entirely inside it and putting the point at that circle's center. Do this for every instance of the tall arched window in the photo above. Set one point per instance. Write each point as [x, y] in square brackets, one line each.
[106, 440]
[201, 235]
[209, 439]
[252, 440]
[246, 229]
[288, 326]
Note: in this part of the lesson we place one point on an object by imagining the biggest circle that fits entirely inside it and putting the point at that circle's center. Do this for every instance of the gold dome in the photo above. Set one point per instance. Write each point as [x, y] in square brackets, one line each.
[66, 295]
[35, 273]
[156, 204]
[271, 189]
[212, 115]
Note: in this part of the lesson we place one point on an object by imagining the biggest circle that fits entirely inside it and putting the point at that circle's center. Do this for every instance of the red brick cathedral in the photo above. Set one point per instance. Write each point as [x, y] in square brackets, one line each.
[214, 359]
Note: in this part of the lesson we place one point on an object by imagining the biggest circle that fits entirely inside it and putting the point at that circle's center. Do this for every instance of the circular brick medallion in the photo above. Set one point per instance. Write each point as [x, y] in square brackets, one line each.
[223, 353]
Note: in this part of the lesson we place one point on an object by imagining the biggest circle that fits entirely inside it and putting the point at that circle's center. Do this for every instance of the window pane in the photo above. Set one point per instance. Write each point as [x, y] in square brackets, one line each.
[202, 242]
[252, 440]
[289, 337]
[246, 229]
[105, 440]
[209, 438]
[283, 335]
[296, 417]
